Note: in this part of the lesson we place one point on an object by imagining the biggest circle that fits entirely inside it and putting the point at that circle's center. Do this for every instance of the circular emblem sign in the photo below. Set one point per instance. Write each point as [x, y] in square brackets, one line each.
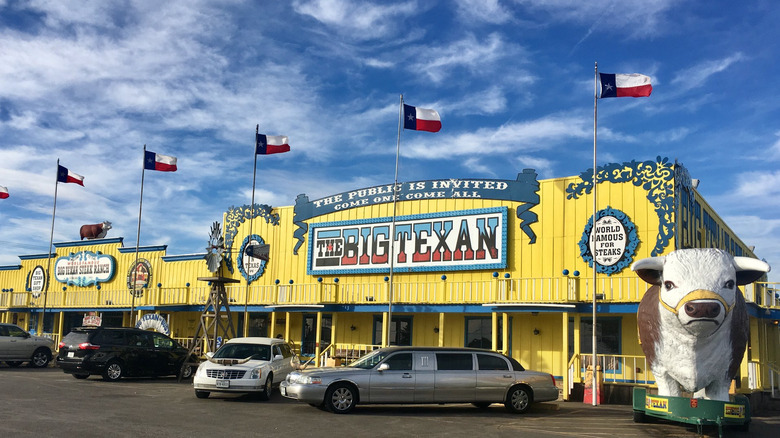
[37, 281]
[251, 267]
[153, 321]
[139, 276]
[611, 243]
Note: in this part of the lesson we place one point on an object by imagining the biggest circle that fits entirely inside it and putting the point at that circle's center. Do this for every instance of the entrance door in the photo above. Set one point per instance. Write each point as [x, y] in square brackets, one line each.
[309, 334]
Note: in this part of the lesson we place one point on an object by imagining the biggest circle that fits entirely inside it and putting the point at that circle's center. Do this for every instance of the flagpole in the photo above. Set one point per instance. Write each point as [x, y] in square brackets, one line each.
[137, 241]
[594, 230]
[48, 255]
[392, 223]
[251, 219]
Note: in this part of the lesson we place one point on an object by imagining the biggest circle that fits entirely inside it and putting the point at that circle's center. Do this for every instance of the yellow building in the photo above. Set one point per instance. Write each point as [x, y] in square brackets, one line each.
[500, 264]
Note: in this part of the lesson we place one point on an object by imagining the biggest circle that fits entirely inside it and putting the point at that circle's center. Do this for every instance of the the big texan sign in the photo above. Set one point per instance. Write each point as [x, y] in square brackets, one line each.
[460, 240]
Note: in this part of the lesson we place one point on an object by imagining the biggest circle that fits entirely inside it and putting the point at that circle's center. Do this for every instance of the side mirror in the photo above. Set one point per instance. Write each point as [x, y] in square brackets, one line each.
[383, 367]
[210, 354]
[278, 357]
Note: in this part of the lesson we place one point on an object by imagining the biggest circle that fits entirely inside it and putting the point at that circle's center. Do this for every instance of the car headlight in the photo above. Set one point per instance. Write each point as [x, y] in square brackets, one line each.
[256, 373]
[310, 380]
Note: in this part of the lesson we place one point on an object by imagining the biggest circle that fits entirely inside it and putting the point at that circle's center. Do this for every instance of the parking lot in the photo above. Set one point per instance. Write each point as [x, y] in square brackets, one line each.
[47, 402]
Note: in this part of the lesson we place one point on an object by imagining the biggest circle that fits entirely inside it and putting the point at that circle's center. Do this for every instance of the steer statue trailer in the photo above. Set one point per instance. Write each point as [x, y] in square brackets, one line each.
[699, 412]
[693, 327]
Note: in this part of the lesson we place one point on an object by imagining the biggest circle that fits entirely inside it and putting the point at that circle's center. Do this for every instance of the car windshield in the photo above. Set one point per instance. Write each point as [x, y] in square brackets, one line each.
[242, 351]
[370, 360]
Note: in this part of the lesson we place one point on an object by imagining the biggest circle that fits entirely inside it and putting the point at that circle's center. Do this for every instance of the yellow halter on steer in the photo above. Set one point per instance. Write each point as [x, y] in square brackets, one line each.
[698, 294]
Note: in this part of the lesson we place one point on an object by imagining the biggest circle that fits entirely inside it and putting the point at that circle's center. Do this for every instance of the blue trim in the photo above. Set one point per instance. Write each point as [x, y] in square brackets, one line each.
[760, 313]
[37, 256]
[183, 258]
[88, 242]
[10, 268]
[128, 250]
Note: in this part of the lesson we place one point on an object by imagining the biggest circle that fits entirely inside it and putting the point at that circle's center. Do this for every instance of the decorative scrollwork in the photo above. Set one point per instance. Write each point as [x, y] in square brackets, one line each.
[236, 216]
[655, 177]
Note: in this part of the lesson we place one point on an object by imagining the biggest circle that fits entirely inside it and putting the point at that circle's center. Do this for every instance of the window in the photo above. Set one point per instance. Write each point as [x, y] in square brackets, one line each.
[454, 361]
[400, 361]
[286, 351]
[161, 341]
[109, 337]
[16, 332]
[479, 332]
[608, 340]
[400, 330]
[258, 325]
[490, 362]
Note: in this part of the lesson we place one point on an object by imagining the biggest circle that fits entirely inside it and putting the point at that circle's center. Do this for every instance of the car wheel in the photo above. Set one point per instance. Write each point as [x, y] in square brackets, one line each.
[81, 376]
[269, 387]
[14, 364]
[518, 399]
[114, 371]
[40, 358]
[201, 394]
[341, 398]
[186, 372]
[482, 405]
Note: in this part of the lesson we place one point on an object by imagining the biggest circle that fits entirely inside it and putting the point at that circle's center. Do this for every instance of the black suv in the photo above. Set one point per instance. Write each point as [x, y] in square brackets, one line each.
[118, 352]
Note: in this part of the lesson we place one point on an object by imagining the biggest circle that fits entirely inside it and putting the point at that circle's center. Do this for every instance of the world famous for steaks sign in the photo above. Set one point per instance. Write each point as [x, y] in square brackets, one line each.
[446, 241]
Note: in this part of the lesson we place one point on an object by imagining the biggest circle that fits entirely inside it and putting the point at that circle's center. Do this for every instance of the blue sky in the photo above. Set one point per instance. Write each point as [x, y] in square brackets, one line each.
[91, 82]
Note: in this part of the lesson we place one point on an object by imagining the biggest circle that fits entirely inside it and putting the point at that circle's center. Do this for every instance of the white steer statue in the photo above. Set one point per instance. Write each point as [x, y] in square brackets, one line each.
[693, 323]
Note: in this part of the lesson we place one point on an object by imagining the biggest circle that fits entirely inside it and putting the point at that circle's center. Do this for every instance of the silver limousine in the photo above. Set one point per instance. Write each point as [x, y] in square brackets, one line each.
[422, 375]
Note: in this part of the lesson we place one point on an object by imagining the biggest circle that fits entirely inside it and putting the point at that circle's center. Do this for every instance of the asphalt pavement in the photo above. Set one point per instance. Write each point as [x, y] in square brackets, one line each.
[47, 402]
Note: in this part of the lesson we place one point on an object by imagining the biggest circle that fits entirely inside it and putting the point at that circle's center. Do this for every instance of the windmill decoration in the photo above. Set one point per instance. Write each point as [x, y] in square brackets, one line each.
[215, 249]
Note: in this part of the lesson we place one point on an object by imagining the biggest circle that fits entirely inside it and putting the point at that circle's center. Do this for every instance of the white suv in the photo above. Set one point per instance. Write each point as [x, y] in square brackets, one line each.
[245, 365]
[17, 346]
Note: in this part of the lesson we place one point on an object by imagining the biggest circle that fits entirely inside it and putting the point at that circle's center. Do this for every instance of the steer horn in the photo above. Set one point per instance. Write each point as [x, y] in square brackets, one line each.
[229, 361]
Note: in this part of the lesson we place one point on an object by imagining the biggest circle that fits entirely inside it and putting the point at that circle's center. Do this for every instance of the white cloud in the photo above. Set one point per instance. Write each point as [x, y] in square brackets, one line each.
[469, 53]
[638, 17]
[359, 20]
[535, 135]
[697, 75]
[487, 11]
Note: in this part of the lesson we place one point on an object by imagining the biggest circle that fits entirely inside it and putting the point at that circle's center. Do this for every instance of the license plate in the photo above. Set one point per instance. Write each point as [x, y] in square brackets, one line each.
[283, 390]
[71, 354]
[223, 383]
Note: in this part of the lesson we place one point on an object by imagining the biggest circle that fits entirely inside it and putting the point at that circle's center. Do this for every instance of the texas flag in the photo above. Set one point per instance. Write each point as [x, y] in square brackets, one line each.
[271, 144]
[3, 192]
[164, 163]
[66, 176]
[421, 119]
[625, 85]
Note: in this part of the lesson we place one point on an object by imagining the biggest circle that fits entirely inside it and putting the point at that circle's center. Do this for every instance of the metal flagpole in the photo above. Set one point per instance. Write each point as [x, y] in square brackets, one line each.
[48, 255]
[594, 230]
[137, 242]
[392, 223]
[251, 219]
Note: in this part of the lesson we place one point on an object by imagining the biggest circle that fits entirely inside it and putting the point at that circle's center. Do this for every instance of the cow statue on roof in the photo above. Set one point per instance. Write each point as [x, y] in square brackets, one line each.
[693, 321]
[95, 231]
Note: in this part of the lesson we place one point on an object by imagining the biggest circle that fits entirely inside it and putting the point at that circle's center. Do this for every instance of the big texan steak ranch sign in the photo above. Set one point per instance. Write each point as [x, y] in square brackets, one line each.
[84, 268]
[449, 241]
